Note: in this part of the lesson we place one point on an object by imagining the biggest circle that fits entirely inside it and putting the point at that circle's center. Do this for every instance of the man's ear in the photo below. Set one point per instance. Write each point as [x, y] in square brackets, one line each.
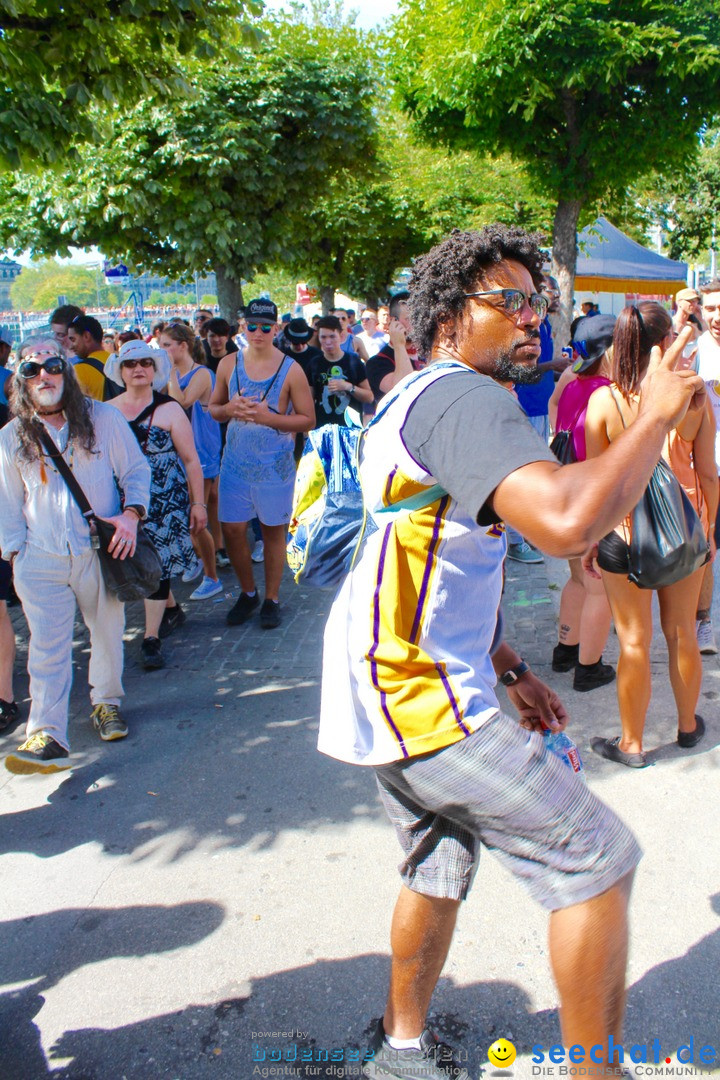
[447, 330]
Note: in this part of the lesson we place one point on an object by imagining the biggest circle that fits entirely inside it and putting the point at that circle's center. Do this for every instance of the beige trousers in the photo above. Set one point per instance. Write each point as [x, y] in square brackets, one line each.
[49, 587]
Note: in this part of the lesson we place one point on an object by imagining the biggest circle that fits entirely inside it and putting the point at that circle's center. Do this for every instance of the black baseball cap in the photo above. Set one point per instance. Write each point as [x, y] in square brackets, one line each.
[593, 337]
[261, 311]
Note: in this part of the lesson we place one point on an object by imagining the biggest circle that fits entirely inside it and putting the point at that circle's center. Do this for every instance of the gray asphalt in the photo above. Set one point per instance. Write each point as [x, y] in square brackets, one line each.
[211, 895]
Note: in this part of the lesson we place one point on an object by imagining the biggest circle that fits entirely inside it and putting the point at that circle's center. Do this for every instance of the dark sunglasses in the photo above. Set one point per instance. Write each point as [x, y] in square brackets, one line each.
[253, 326]
[28, 369]
[144, 361]
[514, 300]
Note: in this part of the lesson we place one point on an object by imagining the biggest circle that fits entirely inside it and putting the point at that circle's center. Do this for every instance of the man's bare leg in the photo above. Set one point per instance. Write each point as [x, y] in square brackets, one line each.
[588, 954]
[420, 936]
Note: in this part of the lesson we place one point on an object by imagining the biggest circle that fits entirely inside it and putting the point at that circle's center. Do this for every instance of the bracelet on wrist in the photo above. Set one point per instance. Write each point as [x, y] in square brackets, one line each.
[510, 677]
[204, 505]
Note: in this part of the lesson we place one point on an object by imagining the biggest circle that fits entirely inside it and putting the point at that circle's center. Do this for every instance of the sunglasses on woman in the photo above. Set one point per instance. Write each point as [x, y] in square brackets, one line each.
[144, 361]
[253, 326]
[28, 369]
[514, 301]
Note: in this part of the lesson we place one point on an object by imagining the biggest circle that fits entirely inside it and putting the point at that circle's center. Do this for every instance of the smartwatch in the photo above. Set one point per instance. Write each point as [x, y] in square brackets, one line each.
[509, 678]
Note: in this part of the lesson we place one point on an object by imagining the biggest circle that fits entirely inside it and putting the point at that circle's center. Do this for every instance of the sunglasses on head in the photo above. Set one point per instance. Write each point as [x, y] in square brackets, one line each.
[514, 300]
[253, 326]
[144, 361]
[28, 369]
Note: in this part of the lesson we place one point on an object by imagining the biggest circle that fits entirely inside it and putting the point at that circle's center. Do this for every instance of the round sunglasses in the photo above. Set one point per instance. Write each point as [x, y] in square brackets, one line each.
[28, 369]
[253, 326]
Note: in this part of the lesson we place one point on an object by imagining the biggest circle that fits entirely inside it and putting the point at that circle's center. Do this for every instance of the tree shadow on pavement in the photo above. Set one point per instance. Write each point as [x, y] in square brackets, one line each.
[231, 776]
[327, 1006]
[86, 936]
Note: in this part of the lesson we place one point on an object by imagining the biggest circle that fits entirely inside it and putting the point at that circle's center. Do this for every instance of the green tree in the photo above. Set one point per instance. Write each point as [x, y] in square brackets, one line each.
[63, 63]
[694, 202]
[218, 181]
[37, 287]
[588, 94]
[208, 300]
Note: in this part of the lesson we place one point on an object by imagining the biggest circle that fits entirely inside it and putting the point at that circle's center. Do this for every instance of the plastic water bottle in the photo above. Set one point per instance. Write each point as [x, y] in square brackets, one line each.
[562, 745]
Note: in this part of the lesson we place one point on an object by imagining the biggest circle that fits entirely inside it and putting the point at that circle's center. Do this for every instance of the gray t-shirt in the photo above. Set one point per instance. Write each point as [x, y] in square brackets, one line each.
[469, 432]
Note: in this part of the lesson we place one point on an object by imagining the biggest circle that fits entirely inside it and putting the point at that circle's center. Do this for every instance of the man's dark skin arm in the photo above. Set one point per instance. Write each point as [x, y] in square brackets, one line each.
[563, 510]
[538, 705]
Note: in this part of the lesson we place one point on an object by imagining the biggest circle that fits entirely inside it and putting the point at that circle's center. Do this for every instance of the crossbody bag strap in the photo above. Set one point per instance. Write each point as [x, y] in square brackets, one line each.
[617, 406]
[272, 382]
[67, 474]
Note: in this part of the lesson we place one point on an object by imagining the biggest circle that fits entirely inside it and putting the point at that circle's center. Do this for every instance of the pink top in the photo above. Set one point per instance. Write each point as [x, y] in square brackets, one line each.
[572, 409]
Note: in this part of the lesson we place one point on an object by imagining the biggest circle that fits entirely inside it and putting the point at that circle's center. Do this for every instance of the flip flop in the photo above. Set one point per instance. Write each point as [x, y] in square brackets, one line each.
[688, 739]
[608, 748]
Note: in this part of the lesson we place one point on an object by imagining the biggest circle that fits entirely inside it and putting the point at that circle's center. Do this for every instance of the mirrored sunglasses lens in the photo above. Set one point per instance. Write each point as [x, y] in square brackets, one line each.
[28, 369]
[514, 300]
[55, 366]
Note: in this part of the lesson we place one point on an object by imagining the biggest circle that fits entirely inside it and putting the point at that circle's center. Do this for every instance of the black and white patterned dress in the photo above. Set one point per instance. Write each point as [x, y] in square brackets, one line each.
[167, 524]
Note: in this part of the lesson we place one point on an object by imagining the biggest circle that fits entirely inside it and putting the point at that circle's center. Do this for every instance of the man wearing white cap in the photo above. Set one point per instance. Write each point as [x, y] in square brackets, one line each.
[47, 539]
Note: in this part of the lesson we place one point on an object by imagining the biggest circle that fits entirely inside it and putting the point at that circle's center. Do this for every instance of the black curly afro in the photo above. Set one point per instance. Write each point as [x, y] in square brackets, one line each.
[454, 267]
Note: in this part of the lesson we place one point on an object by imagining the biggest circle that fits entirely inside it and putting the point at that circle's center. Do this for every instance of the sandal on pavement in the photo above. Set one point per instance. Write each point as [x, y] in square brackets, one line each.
[688, 739]
[610, 749]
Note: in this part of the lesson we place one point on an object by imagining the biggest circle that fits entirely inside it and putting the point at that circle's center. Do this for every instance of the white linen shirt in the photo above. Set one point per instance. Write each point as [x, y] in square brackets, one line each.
[41, 511]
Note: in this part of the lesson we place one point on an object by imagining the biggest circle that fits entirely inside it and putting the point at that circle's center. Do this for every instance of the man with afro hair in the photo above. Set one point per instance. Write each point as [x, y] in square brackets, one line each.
[413, 645]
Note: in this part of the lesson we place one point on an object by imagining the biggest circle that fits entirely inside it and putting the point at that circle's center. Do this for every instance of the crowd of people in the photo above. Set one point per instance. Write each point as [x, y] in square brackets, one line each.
[195, 432]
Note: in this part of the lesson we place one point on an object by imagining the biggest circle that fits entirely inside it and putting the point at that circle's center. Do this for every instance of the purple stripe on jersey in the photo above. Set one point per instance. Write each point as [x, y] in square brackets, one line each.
[388, 486]
[451, 696]
[376, 642]
[415, 631]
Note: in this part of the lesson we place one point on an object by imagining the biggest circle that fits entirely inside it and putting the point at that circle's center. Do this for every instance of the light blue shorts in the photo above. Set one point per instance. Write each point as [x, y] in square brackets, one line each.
[240, 501]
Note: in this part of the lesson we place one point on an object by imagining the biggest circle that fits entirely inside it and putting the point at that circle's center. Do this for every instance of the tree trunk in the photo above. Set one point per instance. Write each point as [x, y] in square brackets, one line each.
[229, 293]
[327, 298]
[372, 301]
[564, 261]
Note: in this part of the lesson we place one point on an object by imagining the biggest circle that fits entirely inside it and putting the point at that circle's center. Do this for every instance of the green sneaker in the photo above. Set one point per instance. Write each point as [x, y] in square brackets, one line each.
[108, 723]
[38, 754]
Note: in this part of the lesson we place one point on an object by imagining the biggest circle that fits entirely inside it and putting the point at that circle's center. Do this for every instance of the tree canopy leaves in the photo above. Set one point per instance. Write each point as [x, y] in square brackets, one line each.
[63, 62]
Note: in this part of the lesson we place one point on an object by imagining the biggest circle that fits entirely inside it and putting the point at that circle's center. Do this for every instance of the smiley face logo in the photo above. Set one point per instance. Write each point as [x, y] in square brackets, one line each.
[502, 1054]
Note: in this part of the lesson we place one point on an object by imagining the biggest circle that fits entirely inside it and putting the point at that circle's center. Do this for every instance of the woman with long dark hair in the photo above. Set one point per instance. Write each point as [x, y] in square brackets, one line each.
[690, 452]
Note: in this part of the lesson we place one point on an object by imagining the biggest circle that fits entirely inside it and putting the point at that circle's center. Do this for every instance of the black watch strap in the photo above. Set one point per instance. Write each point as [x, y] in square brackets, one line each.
[508, 678]
[139, 510]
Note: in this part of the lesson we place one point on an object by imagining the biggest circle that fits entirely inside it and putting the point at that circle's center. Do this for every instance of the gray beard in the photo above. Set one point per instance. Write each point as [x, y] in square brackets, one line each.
[506, 370]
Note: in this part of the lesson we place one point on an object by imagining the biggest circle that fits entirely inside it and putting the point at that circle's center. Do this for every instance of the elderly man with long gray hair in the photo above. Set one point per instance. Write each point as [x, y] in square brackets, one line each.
[47, 540]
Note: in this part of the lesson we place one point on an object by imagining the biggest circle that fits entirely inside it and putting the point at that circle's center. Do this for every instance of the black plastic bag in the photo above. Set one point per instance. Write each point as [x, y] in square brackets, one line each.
[668, 540]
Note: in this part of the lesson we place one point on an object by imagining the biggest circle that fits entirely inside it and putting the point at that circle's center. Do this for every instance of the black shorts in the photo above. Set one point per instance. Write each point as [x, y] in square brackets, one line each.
[5, 579]
[613, 554]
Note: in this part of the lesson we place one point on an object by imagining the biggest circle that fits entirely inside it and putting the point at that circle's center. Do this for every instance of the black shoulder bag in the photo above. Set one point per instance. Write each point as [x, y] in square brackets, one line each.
[131, 578]
[668, 542]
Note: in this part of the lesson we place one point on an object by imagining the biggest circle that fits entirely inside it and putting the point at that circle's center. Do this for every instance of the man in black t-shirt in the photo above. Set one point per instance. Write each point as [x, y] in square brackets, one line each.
[400, 356]
[293, 341]
[336, 379]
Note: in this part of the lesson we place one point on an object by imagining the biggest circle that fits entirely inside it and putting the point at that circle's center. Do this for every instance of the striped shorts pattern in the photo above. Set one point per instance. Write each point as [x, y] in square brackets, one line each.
[502, 788]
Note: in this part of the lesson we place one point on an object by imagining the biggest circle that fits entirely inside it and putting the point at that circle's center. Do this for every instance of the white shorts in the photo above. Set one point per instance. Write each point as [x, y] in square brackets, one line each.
[240, 501]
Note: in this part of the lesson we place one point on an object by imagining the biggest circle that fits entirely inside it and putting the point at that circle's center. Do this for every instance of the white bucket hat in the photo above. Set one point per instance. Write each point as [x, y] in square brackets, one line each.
[137, 350]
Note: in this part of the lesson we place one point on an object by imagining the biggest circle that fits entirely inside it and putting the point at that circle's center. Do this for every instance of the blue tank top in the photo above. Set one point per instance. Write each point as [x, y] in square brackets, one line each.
[259, 454]
[206, 431]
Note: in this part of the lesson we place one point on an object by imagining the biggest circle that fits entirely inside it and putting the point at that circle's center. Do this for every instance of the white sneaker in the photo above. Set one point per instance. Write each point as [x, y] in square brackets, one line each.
[258, 552]
[206, 589]
[705, 637]
[194, 572]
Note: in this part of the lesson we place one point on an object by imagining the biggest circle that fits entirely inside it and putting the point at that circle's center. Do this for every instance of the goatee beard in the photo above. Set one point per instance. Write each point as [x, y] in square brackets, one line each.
[506, 370]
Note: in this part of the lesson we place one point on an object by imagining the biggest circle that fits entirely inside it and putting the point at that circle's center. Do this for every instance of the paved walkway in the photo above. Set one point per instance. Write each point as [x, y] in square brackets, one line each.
[212, 894]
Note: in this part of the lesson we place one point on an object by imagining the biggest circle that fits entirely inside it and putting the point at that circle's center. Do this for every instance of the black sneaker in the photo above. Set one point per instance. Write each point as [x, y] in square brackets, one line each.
[270, 614]
[151, 652]
[565, 657]
[173, 618]
[591, 676]
[433, 1061]
[242, 609]
[38, 754]
[8, 713]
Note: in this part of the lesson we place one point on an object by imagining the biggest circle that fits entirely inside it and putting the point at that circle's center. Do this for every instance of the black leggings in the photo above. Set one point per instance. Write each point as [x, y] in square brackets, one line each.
[613, 554]
[163, 590]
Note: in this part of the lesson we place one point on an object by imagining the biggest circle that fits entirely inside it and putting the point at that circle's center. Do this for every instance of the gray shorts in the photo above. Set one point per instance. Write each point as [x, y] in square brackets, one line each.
[501, 787]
